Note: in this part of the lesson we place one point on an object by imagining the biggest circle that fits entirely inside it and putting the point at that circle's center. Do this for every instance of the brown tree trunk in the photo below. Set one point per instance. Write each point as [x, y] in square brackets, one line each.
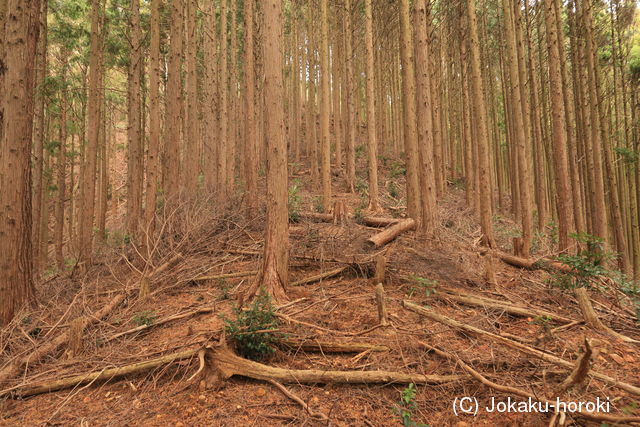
[153, 153]
[251, 155]
[134, 129]
[561, 167]
[325, 107]
[190, 156]
[20, 35]
[425, 125]
[350, 131]
[173, 102]
[274, 273]
[88, 179]
[372, 141]
[409, 104]
[482, 137]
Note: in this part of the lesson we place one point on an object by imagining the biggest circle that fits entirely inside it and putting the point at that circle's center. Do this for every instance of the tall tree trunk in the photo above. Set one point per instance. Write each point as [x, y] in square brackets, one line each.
[483, 159]
[325, 107]
[173, 102]
[519, 131]
[372, 141]
[39, 136]
[425, 125]
[190, 155]
[350, 130]
[409, 107]
[250, 143]
[20, 35]
[223, 142]
[134, 129]
[274, 273]
[88, 181]
[153, 153]
[563, 188]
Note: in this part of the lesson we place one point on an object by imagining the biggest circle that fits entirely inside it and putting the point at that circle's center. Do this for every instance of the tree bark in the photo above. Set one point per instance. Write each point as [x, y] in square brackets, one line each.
[274, 273]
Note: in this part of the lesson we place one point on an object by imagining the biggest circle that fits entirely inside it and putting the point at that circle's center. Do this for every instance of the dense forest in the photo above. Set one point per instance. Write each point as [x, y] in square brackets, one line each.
[438, 197]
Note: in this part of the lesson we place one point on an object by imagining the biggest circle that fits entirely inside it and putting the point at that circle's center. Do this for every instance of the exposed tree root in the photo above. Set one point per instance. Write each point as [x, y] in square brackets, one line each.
[390, 233]
[516, 345]
[320, 276]
[225, 364]
[519, 392]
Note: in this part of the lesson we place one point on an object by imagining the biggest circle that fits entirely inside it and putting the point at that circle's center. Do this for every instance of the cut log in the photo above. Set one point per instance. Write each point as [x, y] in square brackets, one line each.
[313, 345]
[13, 368]
[531, 264]
[375, 221]
[226, 364]
[339, 213]
[392, 232]
[506, 306]
[430, 314]
[381, 265]
[102, 375]
[382, 305]
[318, 277]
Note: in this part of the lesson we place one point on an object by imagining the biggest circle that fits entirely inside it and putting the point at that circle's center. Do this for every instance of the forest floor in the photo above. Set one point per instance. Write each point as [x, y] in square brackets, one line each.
[342, 309]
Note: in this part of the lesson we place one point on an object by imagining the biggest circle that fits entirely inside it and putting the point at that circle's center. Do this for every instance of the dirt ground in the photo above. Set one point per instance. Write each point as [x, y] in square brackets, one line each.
[341, 308]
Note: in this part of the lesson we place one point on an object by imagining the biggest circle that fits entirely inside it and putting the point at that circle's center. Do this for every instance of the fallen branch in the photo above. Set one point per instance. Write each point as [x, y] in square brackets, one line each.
[313, 345]
[319, 277]
[390, 233]
[161, 322]
[13, 369]
[592, 319]
[509, 307]
[430, 314]
[227, 275]
[227, 364]
[104, 374]
[519, 392]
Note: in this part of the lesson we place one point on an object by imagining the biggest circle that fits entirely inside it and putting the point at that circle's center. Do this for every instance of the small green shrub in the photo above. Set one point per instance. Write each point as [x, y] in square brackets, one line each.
[360, 150]
[145, 318]
[295, 201]
[398, 169]
[362, 187]
[318, 205]
[585, 265]
[250, 330]
[422, 284]
[406, 406]
[392, 189]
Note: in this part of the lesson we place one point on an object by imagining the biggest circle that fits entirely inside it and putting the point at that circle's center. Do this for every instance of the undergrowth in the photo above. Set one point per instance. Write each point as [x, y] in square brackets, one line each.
[254, 330]
[406, 406]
